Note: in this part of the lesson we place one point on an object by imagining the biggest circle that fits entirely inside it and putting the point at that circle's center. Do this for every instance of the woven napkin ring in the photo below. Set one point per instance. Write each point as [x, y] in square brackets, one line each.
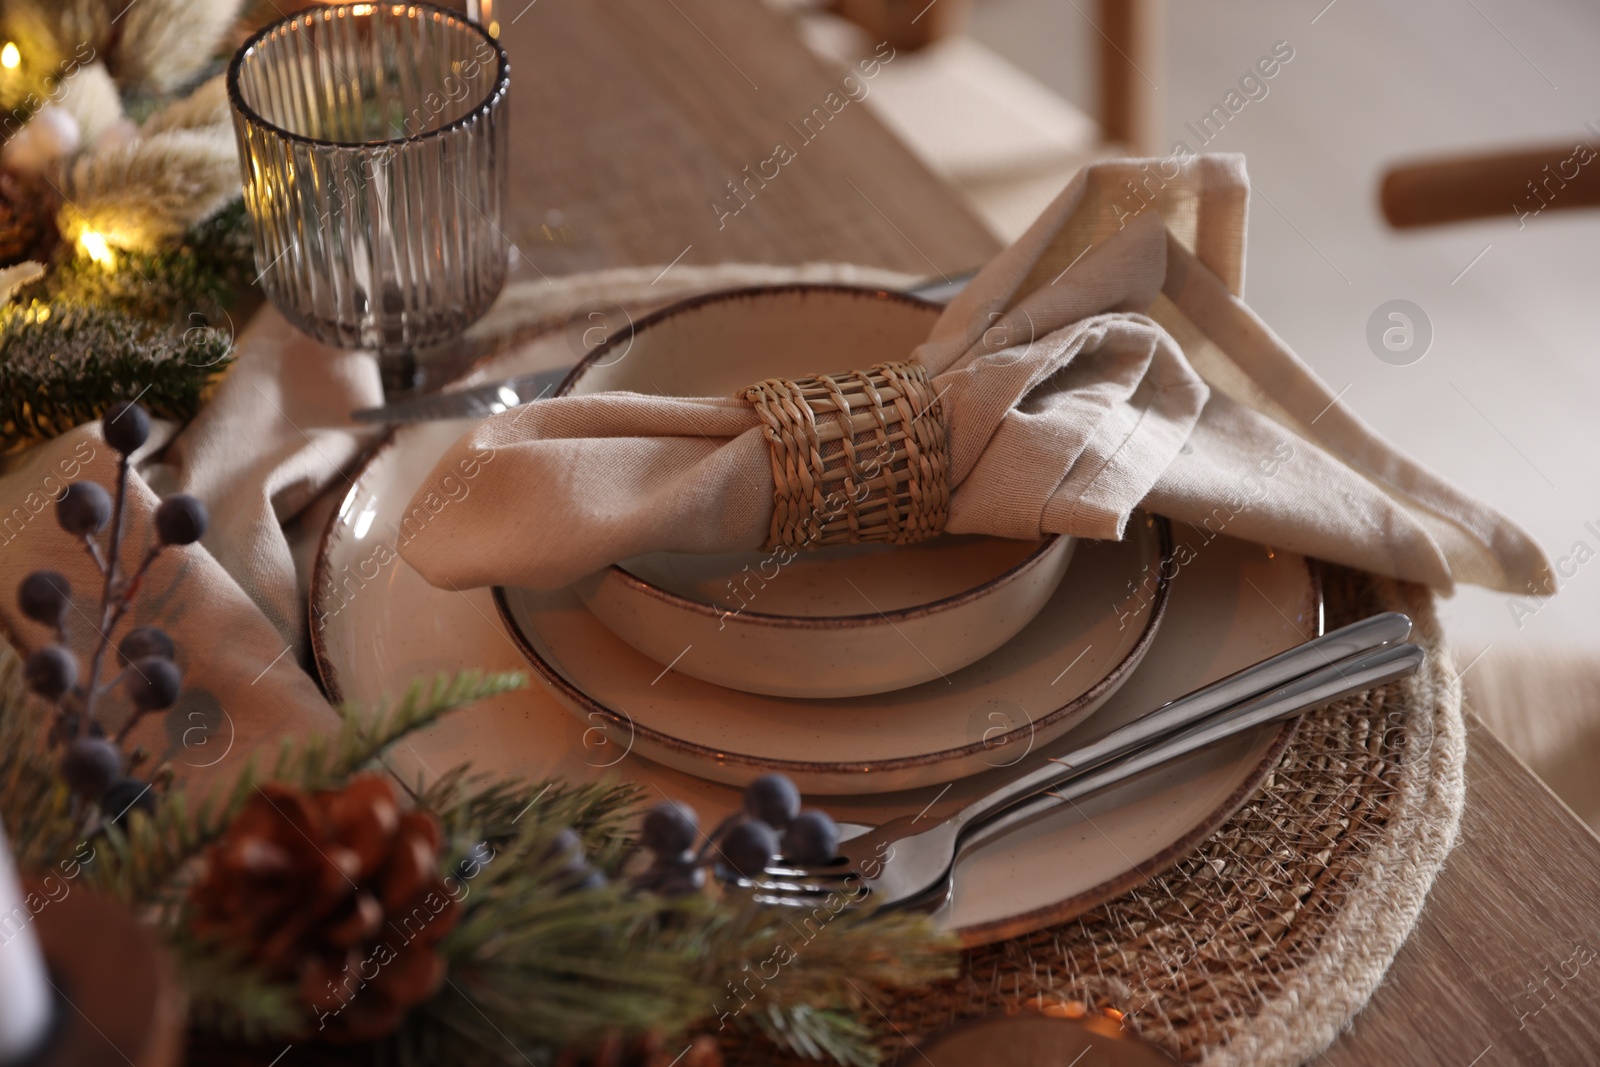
[856, 457]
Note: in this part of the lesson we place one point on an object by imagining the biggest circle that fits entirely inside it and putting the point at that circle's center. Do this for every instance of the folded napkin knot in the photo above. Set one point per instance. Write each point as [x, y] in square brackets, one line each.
[859, 456]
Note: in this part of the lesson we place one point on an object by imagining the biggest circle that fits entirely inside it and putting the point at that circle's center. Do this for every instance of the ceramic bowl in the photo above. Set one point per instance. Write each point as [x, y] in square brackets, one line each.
[835, 622]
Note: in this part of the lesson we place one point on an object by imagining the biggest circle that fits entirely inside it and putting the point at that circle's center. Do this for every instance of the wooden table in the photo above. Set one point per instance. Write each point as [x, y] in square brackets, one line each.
[632, 116]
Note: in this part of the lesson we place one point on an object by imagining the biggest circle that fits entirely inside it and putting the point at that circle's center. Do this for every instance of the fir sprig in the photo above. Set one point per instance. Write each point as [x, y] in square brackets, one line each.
[533, 964]
[143, 857]
[190, 284]
[62, 365]
[229, 997]
[818, 1033]
[35, 807]
[156, 326]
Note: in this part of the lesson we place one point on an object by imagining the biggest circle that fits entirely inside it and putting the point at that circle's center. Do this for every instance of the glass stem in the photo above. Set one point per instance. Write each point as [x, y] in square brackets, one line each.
[399, 371]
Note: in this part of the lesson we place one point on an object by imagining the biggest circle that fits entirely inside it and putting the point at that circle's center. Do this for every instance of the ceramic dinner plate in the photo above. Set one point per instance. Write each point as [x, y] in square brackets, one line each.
[1068, 661]
[376, 626]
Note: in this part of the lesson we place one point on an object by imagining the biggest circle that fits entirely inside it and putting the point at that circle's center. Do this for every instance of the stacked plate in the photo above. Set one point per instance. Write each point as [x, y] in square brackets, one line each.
[892, 680]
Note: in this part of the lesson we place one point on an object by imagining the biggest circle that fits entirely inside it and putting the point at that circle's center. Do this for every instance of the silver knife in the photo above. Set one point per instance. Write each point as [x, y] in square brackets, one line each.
[476, 402]
[491, 398]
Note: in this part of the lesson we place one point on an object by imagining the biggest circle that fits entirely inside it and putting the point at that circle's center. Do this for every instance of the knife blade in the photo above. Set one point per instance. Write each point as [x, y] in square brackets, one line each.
[474, 402]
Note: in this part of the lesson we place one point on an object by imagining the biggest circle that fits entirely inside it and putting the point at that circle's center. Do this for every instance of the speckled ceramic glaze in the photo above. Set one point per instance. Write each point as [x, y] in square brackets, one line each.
[1066, 663]
[836, 622]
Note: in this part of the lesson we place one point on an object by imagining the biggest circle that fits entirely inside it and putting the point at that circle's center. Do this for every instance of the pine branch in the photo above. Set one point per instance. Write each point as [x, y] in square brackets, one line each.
[35, 807]
[532, 965]
[825, 957]
[818, 1035]
[62, 365]
[186, 286]
[475, 809]
[320, 762]
[141, 860]
[230, 998]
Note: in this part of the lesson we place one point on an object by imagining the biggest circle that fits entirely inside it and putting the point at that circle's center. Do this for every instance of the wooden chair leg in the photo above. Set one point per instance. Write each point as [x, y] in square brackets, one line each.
[1132, 65]
[1517, 185]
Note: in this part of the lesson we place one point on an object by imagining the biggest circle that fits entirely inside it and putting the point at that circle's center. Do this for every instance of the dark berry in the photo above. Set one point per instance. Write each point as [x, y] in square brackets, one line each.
[84, 509]
[90, 766]
[153, 683]
[773, 799]
[669, 828]
[142, 641]
[51, 671]
[573, 871]
[812, 839]
[749, 847]
[681, 881]
[126, 426]
[592, 879]
[180, 520]
[45, 596]
[568, 847]
[671, 878]
[128, 794]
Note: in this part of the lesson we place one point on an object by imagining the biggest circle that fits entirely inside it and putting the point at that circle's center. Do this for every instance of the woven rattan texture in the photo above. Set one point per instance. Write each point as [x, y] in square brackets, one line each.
[1259, 947]
[856, 457]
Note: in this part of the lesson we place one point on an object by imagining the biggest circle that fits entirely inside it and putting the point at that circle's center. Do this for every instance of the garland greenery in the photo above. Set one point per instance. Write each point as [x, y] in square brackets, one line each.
[119, 179]
[83, 337]
[533, 966]
[191, 283]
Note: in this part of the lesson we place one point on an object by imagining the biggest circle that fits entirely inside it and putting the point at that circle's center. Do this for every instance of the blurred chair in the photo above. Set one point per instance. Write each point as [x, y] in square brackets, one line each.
[1128, 41]
[1006, 142]
[1515, 185]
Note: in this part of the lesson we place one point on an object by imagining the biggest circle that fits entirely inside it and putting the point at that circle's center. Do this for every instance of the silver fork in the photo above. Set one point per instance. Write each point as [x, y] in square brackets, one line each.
[902, 863]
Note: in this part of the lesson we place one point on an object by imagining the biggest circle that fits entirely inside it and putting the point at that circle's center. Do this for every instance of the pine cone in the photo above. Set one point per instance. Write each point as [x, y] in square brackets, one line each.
[340, 890]
[28, 208]
[646, 1051]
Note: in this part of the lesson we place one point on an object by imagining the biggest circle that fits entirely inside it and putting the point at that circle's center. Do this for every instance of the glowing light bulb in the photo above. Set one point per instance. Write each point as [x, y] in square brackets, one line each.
[10, 57]
[95, 247]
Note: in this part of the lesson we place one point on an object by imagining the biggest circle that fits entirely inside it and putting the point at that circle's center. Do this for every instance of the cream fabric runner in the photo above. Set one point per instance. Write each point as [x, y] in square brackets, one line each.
[272, 438]
[1102, 361]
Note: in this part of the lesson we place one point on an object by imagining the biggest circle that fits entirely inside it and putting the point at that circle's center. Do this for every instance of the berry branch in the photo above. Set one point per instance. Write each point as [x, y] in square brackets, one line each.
[770, 825]
[92, 765]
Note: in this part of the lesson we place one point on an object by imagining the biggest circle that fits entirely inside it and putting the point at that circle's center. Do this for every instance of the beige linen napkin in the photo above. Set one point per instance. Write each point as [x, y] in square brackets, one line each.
[274, 435]
[1102, 361]
[243, 685]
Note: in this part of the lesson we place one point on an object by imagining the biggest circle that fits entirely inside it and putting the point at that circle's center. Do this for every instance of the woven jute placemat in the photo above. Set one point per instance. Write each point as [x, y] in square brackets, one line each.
[1257, 949]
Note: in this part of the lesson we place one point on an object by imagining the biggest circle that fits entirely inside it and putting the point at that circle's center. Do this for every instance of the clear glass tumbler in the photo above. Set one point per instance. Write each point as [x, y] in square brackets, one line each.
[372, 138]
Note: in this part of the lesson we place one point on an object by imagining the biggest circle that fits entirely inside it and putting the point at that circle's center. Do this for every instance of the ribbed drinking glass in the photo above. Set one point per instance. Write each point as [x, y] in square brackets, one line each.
[372, 138]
